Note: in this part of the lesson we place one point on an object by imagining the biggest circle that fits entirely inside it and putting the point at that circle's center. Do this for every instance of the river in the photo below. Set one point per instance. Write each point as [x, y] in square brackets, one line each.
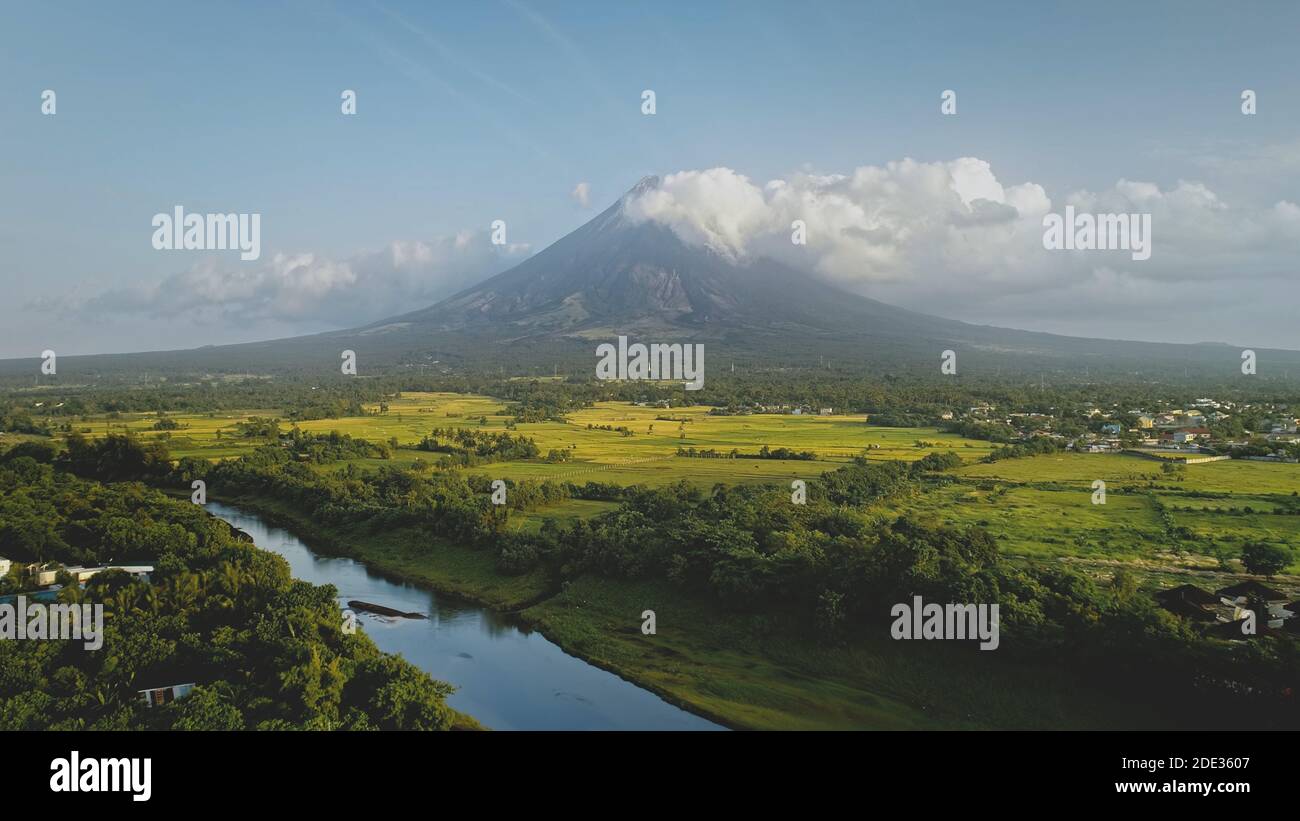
[508, 676]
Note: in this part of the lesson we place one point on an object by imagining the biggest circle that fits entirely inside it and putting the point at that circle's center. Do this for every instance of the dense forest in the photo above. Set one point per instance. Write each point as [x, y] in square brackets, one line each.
[266, 651]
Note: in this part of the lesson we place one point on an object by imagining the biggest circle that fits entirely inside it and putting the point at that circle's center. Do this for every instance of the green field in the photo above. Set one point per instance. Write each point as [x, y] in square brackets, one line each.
[755, 673]
[1042, 507]
[1039, 507]
[647, 457]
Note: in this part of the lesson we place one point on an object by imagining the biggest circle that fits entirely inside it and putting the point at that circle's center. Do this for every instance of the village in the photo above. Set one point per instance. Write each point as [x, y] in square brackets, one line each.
[1234, 612]
[1204, 430]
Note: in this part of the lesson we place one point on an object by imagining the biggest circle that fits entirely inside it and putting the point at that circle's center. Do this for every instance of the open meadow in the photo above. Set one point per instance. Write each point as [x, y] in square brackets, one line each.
[1196, 518]
[646, 456]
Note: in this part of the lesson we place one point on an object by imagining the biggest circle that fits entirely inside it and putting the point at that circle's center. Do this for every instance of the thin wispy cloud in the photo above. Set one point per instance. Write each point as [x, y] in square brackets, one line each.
[451, 57]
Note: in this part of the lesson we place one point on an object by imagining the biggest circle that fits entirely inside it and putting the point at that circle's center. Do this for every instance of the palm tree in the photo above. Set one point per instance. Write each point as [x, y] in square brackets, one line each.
[230, 578]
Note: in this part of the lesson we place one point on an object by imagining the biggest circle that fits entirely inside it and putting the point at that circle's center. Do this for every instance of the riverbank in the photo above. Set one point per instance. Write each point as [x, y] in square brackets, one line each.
[407, 554]
[741, 671]
[507, 674]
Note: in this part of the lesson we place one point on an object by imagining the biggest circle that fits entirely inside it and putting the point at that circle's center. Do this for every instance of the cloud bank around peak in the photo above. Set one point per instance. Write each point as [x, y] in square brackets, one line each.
[951, 238]
[948, 238]
[306, 289]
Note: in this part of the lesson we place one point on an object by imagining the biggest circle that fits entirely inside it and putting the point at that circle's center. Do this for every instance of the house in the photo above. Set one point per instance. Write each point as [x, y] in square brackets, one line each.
[1189, 601]
[1146, 422]
[826, 412]
[5, 564]
[1242, 594]
[46, 575]
[1190, 435]
[1113, 428]
[1249, 589]
[158, 696]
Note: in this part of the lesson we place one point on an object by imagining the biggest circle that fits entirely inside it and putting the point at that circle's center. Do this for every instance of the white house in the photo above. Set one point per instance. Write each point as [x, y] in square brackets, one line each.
[84, 574]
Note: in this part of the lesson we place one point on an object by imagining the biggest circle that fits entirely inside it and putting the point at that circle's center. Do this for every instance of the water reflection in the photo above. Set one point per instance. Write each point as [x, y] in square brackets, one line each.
[509, 677]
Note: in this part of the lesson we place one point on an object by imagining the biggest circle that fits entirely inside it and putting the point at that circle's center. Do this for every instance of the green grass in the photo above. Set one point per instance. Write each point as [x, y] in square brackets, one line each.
[753, 672]
[1041, 508]
[564, 512]
[647, 457]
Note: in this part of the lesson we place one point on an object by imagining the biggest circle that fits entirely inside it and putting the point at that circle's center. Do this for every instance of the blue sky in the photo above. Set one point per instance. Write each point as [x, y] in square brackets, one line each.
[471, 112]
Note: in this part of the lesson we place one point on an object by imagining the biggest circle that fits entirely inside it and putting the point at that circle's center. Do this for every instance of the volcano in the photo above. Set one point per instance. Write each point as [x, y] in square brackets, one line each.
[622, 276]
[617, 275]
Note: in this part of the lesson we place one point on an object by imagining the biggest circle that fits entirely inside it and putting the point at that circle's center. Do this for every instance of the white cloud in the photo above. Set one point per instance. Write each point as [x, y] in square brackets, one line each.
[581, 194]
[307, 289]
[717, 208]
[950, 238]
[947, 238]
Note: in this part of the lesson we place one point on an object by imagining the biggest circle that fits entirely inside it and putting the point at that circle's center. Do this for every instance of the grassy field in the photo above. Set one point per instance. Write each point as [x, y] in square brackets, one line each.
[648, 456]
[753, 672]
[1039, 507]
[1042, 507]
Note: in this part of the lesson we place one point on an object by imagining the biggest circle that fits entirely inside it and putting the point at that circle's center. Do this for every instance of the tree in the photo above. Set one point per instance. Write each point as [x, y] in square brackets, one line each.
[1263, 559]
[1123, 585]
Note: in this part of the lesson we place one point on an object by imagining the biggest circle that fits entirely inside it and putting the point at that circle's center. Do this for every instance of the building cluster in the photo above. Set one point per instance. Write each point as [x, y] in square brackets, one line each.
[1238, 612]
[44, 576]
[1196, 429]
